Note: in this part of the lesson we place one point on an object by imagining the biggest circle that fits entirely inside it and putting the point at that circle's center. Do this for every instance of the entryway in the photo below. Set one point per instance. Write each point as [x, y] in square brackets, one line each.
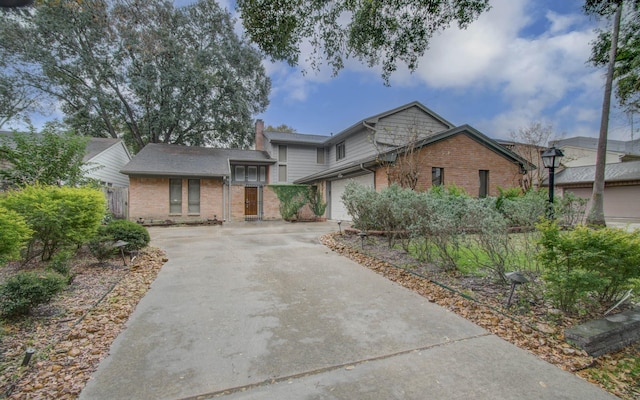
[251, 203]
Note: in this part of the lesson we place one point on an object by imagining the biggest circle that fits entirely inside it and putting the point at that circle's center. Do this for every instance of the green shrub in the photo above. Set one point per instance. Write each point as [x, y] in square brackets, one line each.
[60, 262]
[526, 210]
[134, 234]
[14, 234]
[101, 247]
[292, 198]
[584, 263]
[25, 290]
[59, 216]
[360, 202]
[317, 205]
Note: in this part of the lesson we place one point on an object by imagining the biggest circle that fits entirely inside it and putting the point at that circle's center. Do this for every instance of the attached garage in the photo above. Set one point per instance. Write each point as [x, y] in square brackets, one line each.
[335, 190]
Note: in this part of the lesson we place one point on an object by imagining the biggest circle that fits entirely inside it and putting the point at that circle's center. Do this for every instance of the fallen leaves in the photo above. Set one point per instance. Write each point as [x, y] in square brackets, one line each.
[531, 331]
[72, 341]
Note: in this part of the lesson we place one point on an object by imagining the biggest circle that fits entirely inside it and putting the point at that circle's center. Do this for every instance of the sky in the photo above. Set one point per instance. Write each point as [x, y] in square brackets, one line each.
[523, 61]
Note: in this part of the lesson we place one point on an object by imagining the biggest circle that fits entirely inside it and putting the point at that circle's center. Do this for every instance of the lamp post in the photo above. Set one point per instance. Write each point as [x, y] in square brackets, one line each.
[551, 160]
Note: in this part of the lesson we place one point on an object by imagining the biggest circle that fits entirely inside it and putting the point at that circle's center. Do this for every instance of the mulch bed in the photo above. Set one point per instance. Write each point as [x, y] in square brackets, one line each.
[73, 333]
[533, 326]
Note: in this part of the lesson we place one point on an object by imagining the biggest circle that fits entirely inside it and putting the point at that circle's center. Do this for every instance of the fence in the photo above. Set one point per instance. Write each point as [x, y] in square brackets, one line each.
[117, 201]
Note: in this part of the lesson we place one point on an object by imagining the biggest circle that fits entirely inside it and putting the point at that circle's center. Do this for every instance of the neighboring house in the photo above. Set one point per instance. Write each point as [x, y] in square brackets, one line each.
[182, 183]
[581, 151]
[104, 159]
[621, 189]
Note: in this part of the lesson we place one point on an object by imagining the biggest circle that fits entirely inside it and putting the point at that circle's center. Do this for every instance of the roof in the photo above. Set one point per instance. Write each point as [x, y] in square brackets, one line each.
[618, 172]
[372, 120]
[365, 163]
[619, 146]
[175, 160]
[96, 146]
[295, 138]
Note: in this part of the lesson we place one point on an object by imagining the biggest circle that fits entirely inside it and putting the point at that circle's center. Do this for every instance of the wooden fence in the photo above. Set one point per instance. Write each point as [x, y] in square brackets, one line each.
[117, 201]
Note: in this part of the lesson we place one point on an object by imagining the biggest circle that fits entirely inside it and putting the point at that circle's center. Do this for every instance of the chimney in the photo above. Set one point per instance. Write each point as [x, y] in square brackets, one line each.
[259, 140]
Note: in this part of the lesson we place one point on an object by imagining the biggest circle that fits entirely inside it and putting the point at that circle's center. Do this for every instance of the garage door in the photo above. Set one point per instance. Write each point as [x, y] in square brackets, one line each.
[619, 201]
[338, 211]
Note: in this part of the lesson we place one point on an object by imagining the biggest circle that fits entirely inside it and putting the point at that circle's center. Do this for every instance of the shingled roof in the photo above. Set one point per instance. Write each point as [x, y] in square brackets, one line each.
[617, 172]
[174, 160]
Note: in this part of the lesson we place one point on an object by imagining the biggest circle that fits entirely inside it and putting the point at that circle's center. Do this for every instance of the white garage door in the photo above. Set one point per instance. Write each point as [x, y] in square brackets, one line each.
[338, 211]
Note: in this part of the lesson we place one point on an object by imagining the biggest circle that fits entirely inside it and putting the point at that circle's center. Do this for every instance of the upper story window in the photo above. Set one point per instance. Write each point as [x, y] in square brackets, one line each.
[249, 173]
[340, 151]
[320, 155]
[282, 153]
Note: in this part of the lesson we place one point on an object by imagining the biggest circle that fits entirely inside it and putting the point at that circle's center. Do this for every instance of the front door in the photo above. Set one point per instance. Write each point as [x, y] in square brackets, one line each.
[250, 202]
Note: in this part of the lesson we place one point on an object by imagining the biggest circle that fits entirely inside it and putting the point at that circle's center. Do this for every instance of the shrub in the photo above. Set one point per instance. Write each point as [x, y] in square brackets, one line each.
[317, 205]
[134, 234]
[14, 234]
[60, 262]
[570, 209]
[584, 262]
[292, 198]
[526, 210]
[101, 247]
[59, 216]
[360, 202]
[25, 290]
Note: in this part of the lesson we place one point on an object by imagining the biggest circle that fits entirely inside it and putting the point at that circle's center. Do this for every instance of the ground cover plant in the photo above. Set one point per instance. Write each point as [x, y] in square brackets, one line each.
[467, 244]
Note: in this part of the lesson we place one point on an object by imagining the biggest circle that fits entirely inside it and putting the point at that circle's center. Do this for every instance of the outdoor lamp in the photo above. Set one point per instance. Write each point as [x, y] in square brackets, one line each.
[551, 160]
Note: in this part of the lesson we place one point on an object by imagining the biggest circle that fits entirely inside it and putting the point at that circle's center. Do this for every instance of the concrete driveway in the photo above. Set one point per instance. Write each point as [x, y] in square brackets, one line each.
[264, 311]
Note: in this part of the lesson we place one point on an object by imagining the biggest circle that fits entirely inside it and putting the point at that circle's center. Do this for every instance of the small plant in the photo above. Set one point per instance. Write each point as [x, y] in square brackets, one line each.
[317, 205]
[25, 290]
[101, 247]
[14, 234]
[60, 262]
[134, 234]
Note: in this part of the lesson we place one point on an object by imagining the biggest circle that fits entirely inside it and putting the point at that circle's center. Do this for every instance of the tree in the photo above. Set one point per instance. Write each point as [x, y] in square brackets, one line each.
[281, 128]
[375, 32]
[49, 158]
[144, 71]
[627, 63]
[595, 216]
[528, 142]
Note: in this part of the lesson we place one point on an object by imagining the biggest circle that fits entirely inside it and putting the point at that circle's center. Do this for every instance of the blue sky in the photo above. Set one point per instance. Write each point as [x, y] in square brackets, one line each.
[521, 62]
[524, 61]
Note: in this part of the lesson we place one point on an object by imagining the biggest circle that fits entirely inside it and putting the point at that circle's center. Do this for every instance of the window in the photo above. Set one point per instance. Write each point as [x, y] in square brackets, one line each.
[484, 183]
[437, 176]
[282, 173]
[249, 173]
[282, 153]
[252, 173]
[239, 173]
[340, 151]
[175, 196]
[194, 196]
[320, 156]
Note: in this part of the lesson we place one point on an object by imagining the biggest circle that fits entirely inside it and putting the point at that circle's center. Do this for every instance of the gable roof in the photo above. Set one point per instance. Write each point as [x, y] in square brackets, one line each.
[390, 155]
[373, 120]
[95, 146]
[616, 172]
[174, 160]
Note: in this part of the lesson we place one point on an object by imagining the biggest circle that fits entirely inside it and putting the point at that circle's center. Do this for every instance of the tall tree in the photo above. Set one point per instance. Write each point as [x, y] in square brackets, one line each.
[595, 216]
[281, 128]
[145, 71]
[374, 31]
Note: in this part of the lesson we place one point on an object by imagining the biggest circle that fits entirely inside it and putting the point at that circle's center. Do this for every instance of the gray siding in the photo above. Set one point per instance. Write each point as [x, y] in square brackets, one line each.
[301, 162]
[357, 146]
[106, 166]
[398, 128]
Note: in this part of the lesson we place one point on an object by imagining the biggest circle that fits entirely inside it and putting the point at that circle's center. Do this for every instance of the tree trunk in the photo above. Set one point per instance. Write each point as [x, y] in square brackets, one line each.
[596, 213]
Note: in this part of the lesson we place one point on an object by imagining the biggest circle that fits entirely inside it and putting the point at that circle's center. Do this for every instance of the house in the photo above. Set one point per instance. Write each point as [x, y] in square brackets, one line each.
[621, 188]
[410, 144]
[181, 183]
[104, 159]
[581, 151]
[622, 175]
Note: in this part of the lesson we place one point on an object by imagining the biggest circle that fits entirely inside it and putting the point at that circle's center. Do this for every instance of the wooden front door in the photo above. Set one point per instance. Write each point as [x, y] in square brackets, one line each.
[250, 201]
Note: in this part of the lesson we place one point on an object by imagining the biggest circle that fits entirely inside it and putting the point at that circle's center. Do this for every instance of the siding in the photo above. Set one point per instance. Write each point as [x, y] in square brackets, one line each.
[106, 166]
[397, 128]
[357, 146]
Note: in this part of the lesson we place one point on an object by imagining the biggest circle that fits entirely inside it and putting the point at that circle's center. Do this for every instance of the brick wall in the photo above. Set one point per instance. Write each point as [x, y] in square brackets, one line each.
[462, 158]
[149, 199]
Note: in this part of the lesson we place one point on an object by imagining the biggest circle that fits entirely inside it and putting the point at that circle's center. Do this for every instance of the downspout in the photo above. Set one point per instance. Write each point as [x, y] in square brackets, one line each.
[224, 202]
[373, 172]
